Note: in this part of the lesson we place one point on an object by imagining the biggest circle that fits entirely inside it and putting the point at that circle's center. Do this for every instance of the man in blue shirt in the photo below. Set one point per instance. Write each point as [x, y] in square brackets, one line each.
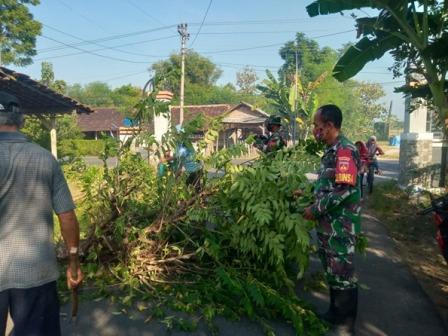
[185, 160]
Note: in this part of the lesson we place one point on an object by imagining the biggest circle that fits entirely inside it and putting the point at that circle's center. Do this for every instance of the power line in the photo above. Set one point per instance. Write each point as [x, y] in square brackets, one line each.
[82, 15]
[262, 32]
[114, 37]
[120, 36]
[123, 76]
[93, 53]
[121, 45]
[202, 23]
[357, 85]
[256, 22]
[263, 68]
[140, 42]
[250, 65]
[104, 39]
[108, 78]
[104, 47]
[132, 3]
[270, 45]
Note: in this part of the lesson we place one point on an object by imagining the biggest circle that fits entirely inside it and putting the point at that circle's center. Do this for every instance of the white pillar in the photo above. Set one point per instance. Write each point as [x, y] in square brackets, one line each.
[415, 144]
[53, 136]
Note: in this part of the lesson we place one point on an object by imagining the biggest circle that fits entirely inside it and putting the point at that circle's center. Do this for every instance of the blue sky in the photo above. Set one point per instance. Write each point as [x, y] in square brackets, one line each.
[130, 35]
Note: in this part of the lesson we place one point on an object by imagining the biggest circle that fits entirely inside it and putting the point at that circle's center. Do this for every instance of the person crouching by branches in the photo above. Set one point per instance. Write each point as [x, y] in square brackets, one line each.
[166, 163]
[337, 211]
[185, 161]
[274, 141]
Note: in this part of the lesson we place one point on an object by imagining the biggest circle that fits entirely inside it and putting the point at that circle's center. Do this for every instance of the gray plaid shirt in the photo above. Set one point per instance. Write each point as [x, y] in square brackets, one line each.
[32, 185]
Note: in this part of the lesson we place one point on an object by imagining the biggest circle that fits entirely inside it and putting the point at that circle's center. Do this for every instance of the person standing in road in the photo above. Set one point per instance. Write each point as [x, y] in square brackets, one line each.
[364, 156]
[337, 210]
[32, 186]
[373, 151]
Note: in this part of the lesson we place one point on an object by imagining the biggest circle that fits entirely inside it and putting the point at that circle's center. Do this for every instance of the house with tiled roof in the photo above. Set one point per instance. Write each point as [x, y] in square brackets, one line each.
[101, 121]
[238, 120]
[35, 99]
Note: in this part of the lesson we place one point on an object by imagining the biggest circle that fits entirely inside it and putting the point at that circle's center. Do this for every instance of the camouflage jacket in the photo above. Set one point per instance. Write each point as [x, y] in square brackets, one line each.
[275, 141]
[271, 143]
[337, 189]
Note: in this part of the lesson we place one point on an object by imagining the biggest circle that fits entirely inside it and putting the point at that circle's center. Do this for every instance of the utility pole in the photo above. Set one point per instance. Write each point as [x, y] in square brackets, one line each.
[1, 40]
[389, 115]
[184, 35]
[296, 77]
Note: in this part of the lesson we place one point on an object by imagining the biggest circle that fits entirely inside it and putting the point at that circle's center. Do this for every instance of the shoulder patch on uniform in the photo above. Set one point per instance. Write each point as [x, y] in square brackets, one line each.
[346, 170]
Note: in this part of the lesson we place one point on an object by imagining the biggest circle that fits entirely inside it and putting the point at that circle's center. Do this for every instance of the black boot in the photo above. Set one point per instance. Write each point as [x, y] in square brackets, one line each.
[343, 309]
[330, 315]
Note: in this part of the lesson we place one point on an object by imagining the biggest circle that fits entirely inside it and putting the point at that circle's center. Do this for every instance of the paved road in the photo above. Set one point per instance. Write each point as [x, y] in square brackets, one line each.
[390, 169]
[391, 303]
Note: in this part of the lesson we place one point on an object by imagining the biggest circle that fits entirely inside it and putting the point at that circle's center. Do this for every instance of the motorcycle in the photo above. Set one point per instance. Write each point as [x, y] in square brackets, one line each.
[440, 208]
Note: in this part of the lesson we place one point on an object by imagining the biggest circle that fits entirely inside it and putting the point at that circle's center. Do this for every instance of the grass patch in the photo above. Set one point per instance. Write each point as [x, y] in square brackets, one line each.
[398, 211]
[390, 152]
[83, 223]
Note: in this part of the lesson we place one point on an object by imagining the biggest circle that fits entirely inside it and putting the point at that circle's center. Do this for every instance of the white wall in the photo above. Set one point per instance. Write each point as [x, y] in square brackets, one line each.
[161, 124]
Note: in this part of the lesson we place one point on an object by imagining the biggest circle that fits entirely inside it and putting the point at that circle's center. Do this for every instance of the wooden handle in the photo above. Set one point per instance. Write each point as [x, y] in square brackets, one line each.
[73, 259]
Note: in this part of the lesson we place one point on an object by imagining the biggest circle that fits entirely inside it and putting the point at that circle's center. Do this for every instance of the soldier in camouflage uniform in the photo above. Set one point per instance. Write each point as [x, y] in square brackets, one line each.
[337, 210]
[274, 141]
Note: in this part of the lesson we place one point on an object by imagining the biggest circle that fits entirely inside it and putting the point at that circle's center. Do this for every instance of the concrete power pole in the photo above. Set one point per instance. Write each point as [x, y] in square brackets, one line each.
[296, 78]
[389, 115]
[184, 35]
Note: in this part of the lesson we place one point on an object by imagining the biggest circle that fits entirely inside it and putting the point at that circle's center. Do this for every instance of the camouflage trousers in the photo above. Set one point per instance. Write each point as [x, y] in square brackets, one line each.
[337, 238]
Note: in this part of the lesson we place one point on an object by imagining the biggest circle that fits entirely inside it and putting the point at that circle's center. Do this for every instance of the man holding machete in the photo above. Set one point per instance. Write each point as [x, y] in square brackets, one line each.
[32, 186]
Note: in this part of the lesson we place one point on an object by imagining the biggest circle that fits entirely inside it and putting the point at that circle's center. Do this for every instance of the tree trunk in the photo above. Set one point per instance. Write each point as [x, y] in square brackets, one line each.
[443, 162]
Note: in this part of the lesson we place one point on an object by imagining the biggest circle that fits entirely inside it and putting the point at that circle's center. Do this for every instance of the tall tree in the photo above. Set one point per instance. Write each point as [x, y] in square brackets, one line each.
[246, 79]
[18, 31]
[126, 97]
[47, 78]
[310, 59]
[363, 110]
[66, 125]
[97, 94]
[414, 31]
[198, 70]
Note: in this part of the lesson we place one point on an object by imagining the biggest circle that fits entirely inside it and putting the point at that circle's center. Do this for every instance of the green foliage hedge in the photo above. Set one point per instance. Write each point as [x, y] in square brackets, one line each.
[80, 147]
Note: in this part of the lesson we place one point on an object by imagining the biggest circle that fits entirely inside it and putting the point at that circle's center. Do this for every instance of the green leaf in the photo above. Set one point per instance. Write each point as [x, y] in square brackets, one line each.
[324, 7]
[366, 50]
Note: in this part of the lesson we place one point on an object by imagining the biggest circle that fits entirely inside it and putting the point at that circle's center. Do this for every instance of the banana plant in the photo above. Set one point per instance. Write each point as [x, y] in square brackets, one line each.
[415, 32]
[417, 27]
[305, 102]
[295, 103]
